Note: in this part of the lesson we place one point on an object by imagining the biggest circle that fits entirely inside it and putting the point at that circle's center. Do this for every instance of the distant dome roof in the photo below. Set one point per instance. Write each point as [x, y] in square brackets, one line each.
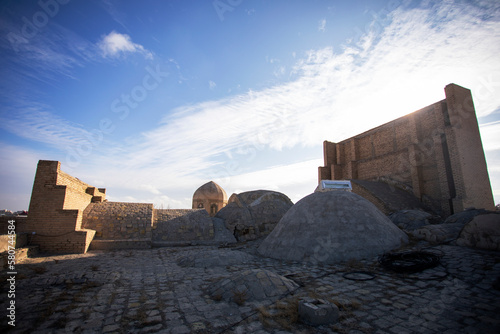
[210, 191]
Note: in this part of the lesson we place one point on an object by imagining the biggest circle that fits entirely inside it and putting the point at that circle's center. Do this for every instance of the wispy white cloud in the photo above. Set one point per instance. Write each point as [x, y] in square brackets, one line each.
[212, 85]
[295, 180]
[36, 122]
[111, 7]
[56, 51]
[493, 161]
[115, 44]
[322, 25]
[334, 94]
[490, 135]
[272, 60]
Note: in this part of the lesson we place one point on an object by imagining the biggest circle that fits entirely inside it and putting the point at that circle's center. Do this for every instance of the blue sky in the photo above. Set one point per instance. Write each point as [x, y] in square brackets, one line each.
[152, 99]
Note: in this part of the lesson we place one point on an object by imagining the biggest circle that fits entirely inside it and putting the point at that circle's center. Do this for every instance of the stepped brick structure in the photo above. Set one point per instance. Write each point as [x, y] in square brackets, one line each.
[436, 153]
[56, 210]
[67, 215]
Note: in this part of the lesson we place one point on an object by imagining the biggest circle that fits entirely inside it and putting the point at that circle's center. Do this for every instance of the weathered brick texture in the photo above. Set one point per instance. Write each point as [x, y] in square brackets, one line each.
[436, 152]
[66, 215]
[56, 210]
[138, 225]
[19, 223]
[117, 220]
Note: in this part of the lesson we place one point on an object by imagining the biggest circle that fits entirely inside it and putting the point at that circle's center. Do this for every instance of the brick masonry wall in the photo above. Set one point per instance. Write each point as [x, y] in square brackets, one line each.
[19, 223]
[366, 149]
[384, 166]
[56, 210]
[413, 150]
[474, 188]
[135, 225]
[402, 134]
[76, 196]
[356, 188]
[71, 242]
[118, 220]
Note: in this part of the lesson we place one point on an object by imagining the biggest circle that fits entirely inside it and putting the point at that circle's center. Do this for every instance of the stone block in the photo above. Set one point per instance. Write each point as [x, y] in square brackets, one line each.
[317, 312]
[482, 232]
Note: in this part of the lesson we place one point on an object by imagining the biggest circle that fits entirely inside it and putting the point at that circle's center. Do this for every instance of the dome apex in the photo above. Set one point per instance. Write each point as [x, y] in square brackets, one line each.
[210, 190]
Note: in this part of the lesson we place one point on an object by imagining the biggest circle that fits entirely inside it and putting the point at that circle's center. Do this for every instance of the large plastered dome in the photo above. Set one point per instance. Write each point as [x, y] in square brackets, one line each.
[331, 227]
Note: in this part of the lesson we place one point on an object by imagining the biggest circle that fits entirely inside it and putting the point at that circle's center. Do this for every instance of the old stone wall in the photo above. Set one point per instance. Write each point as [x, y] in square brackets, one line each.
[119, 220]
[67, 215]
[163, 215]
[436, 152]
[182, 226]
[137, 225]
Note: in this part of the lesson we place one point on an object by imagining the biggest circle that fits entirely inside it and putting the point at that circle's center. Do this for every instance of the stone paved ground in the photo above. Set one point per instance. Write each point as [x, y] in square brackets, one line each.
[146, 291]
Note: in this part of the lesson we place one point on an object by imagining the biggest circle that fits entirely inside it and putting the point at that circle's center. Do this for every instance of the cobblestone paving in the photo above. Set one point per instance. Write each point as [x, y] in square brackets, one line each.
[146, 291]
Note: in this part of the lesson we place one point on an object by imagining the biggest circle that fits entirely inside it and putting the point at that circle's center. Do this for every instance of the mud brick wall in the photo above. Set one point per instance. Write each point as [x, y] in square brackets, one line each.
[19, 223]
[435, 151]
[118, 220]
[74, 242]
[56, 210]
[182, 226]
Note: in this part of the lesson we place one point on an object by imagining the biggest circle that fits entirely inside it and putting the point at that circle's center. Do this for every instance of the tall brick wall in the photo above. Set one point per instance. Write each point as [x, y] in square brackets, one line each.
[436, 152]
[56, 210]
[467, 156]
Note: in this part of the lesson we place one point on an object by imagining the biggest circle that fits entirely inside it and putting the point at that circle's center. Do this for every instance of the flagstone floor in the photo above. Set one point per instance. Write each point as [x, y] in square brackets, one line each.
[165, 290]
